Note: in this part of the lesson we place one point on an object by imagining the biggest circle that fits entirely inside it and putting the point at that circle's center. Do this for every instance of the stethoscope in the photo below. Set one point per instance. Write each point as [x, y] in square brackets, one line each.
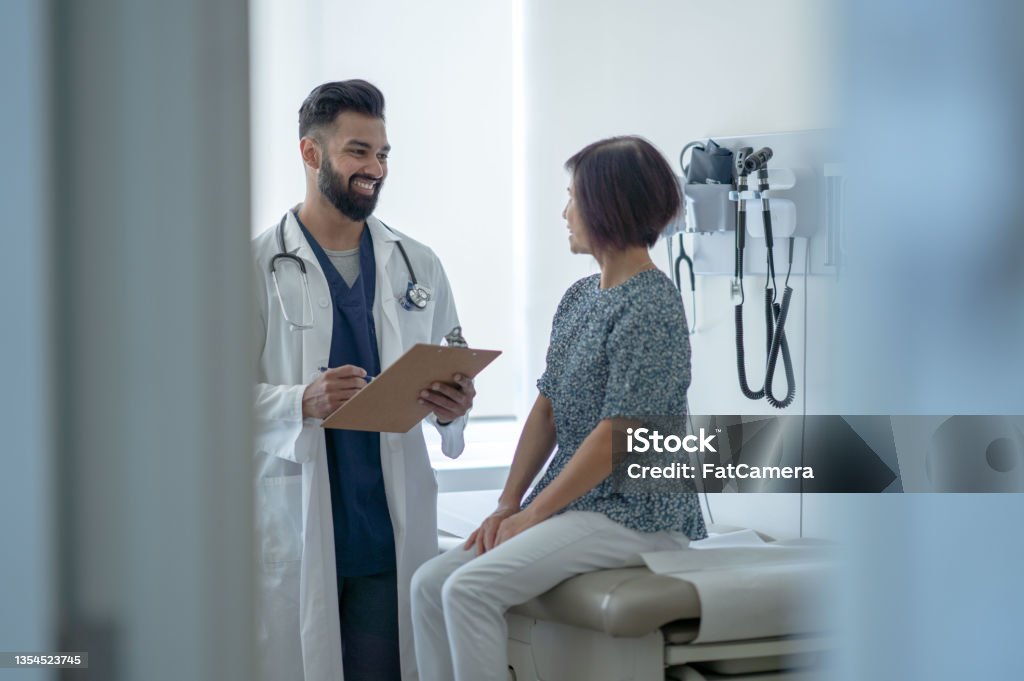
[416, 294]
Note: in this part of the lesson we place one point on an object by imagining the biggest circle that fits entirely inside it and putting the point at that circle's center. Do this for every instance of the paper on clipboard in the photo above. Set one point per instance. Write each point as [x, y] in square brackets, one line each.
[390, 403]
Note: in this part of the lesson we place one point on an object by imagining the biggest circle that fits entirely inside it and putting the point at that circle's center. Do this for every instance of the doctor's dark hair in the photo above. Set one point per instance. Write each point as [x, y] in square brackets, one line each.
[625, 192]
[326, 101]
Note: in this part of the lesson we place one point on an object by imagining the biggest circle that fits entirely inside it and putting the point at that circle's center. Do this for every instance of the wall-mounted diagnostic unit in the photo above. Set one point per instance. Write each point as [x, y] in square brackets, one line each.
[749, 204]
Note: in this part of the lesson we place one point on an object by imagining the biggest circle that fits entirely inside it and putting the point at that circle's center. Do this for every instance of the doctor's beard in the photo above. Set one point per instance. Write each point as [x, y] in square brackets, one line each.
[352, 205]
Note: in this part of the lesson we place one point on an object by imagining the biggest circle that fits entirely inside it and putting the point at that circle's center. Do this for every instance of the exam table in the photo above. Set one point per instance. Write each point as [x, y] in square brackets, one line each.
[631, 624]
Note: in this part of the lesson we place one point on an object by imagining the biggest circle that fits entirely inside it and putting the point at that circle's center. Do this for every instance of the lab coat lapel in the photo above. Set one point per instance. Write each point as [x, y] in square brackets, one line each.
[385, 305]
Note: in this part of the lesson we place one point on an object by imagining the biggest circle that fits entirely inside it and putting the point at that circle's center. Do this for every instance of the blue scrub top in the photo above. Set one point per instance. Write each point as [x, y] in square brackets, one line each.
[364, 540]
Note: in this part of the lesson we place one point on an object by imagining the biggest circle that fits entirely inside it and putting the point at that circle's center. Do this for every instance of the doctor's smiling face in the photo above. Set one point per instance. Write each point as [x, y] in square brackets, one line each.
[353, 162]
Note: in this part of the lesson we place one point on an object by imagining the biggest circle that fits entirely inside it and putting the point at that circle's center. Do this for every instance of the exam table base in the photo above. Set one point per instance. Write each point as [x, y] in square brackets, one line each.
[550, 651]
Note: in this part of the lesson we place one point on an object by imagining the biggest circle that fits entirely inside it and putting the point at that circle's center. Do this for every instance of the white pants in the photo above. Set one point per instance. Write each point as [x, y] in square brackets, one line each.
[459, 599]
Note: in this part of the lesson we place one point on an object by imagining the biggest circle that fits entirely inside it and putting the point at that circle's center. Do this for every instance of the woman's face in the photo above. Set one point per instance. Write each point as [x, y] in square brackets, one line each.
[579, 241]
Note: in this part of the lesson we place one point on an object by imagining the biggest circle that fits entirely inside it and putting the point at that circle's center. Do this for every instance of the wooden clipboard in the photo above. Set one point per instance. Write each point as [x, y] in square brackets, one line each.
[390, 403]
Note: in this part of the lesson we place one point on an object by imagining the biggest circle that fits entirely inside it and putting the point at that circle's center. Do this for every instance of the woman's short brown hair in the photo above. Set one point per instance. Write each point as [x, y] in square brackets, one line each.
[624, 190]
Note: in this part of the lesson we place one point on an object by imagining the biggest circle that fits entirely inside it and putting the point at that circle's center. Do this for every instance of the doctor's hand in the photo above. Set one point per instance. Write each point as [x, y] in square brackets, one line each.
[448, 401]
[334, 388]
[483, 537]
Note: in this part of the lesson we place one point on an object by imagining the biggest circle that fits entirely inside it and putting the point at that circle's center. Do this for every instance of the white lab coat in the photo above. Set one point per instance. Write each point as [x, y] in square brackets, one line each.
[297, 606]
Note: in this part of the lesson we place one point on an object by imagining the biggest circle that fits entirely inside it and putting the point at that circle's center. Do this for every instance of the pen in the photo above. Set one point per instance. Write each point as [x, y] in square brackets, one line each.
[366, 378]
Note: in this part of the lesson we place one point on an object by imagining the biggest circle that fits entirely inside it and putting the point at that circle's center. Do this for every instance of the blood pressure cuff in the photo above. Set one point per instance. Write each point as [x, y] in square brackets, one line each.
[709, 164]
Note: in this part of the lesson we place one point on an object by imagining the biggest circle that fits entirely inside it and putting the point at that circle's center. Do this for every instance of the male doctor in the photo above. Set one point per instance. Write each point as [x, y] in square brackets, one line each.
[344, 518]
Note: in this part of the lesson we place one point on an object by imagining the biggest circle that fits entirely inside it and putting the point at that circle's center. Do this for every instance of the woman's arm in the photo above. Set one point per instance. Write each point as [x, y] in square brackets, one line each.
[536, 443]
[587, 468]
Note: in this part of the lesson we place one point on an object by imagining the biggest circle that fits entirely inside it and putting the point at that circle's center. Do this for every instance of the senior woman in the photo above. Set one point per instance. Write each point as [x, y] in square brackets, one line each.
[619, 349]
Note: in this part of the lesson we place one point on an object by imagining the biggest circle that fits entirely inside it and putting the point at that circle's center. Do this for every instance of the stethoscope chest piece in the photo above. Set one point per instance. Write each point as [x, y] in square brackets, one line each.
[416, 296]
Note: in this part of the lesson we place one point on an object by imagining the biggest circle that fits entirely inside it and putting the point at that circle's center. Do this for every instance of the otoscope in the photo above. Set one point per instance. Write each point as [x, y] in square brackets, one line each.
[775, 314]
[741, 218]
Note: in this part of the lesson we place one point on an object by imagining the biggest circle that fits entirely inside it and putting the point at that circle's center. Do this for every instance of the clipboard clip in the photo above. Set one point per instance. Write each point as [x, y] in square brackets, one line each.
[454, 338]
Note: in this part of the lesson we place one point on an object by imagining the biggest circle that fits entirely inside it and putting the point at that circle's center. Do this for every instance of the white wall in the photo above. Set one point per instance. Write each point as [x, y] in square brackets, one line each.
[671, 71]
[595, 69]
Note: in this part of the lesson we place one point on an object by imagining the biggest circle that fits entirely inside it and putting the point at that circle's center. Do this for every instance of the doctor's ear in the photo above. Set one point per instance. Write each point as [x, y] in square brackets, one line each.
[311, 151]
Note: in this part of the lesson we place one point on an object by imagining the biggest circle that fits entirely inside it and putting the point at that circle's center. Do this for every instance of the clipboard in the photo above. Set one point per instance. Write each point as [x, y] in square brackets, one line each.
[390, 402]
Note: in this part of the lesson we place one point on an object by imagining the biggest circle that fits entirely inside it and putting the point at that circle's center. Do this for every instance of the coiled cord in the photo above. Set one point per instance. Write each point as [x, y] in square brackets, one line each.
[775, 317]
[740, 359]
[779, 342]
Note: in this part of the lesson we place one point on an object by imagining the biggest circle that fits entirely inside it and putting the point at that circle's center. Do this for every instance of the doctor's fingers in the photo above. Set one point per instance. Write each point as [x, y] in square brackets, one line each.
[346, 383]
[466, 385]
[439, 402]
[464, 382]
[346, 371]
[456, 396]
[339, 395]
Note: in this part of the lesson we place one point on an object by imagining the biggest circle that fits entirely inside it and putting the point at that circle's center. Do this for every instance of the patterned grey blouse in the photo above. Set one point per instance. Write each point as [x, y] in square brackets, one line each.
[619, 352]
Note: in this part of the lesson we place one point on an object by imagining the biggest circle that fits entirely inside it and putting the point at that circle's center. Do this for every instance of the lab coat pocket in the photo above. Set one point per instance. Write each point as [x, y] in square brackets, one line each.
[417, 324]
[279, 519]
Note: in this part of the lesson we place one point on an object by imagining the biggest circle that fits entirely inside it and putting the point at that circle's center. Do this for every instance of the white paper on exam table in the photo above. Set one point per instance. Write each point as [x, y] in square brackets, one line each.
[752, 590]
[731, 539]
